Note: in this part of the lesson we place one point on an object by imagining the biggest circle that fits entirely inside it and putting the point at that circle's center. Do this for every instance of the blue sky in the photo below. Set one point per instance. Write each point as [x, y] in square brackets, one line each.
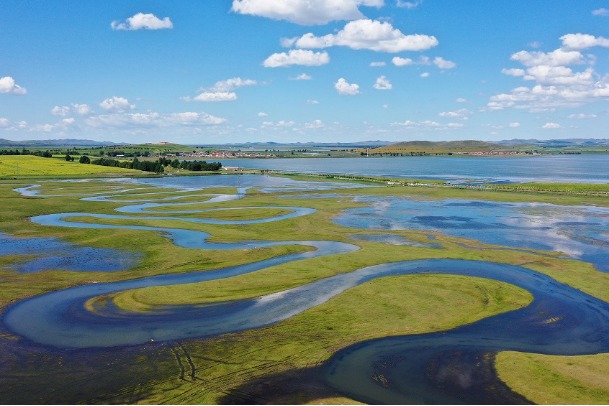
[224, 71]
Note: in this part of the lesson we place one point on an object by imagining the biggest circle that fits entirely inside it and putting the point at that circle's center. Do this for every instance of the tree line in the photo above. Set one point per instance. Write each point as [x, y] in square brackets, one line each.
[157, 166]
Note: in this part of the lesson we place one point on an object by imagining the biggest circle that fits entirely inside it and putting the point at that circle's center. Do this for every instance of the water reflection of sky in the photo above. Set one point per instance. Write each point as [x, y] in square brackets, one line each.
[51, 253]
[577, 231]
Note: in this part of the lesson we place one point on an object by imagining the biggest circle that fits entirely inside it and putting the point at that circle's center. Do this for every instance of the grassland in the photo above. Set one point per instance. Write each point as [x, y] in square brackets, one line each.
[246, 367]
[18, 166]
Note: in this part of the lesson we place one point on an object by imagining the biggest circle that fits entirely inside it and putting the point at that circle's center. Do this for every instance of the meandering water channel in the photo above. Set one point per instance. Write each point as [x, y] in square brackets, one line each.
[561, 320]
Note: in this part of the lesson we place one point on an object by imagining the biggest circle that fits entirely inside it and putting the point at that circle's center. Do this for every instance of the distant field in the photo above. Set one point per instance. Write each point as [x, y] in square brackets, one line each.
[29, 165]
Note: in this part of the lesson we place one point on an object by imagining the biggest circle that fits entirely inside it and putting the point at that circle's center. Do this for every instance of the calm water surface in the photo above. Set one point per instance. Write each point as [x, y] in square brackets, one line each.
[550, 168]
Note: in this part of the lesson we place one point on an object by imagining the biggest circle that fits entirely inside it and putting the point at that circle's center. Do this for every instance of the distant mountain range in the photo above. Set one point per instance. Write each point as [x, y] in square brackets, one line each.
[54, 143]
[562, 143]
[458, 145]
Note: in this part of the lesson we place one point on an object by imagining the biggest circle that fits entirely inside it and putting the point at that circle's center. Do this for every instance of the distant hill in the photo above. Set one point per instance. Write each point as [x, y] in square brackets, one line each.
[66, 142]
[560, 143]
[437, 147]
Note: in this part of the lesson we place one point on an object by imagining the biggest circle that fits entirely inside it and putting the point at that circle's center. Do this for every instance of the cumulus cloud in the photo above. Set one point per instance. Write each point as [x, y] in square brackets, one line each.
[373, 35]
[399, 61]
[345, 88]
[551, 126]
[559, 57]
[603, 12]
[115, 103]
[382, 83]
[462, 114]
[582, 116]
[305, 12]
[443, 63]
[296, 57]
[80, 109]
[232, 84]
[152, 119]
[314, 124]
[583, 41]
[60, 110]
[427, 125]
[208, 96]
[561, 78]
[424, 61]
[142, 21]
[377, 64]
[8, 85]
[302, 76]
[278, 124]
[222, 90]
[514, 124]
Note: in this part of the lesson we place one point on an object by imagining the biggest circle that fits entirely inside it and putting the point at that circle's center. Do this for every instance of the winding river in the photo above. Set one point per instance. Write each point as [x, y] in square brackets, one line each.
[561, 319]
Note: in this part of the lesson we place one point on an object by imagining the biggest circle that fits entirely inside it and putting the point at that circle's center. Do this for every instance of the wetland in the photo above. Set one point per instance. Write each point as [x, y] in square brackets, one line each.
[259, 289]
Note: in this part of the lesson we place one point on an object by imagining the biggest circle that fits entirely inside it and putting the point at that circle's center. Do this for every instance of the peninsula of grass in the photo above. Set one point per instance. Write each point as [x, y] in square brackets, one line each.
[552, 379]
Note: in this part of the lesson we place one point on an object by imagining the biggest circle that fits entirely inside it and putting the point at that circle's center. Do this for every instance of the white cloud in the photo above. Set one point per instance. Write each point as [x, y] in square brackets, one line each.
[314, 124]
[425, 74]
[215, 96]
[80, 109]
[263, 114]
[222, 90]
[462, 114]
[603, 12]
[311, 101]
[399, 61]
[556, 84]
[297, 57]
[373, 35]
[302, 76]
[513, 72]
[8, 85]
[443, 63]
[514, 124]
[551, 126]
[60, 110]
[345, 88]
[142, 21]
[115, 103]
[583, 41]
[461, 100]
[408, 4]
[382, 83]
[377, 64]
[4, 122]
[278, 124]
[558, 57]
[152, 120]
[582, 116]
[232, 84]
[424, 61]
[305, 12]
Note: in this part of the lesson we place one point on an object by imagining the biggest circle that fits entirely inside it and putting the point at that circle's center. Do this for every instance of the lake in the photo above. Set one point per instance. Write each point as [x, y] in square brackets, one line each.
[546, 168]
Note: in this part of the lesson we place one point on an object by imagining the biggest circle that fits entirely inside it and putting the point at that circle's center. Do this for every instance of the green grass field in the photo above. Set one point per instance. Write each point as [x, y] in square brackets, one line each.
[289, 350]
[16, 166]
